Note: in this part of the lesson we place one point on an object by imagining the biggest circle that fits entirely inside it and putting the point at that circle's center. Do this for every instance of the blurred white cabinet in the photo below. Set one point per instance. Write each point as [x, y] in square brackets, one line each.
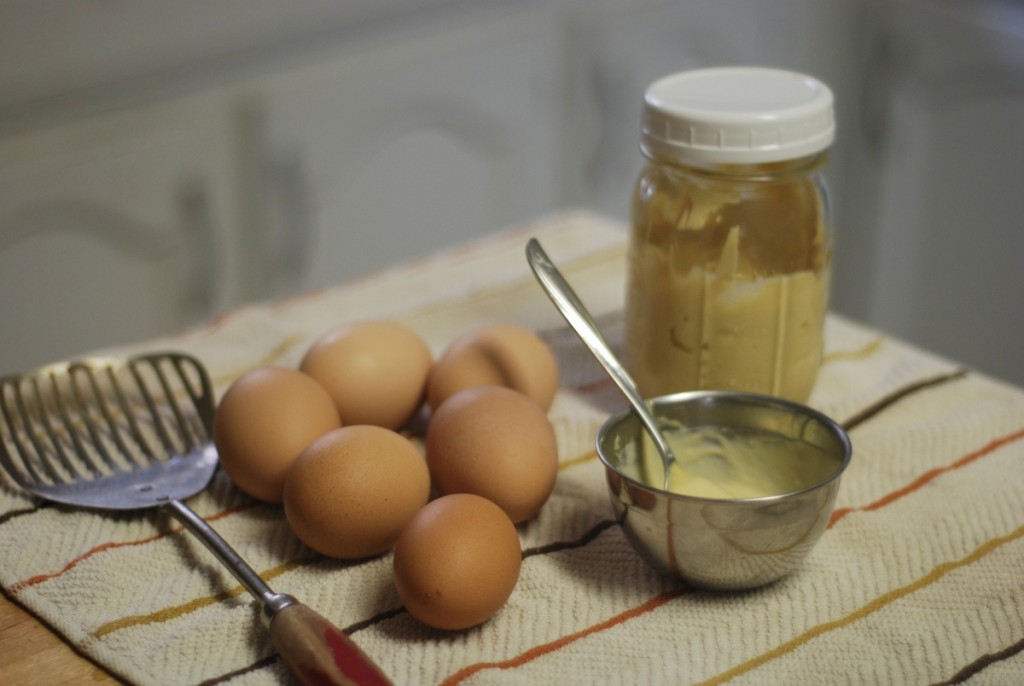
[386, 151]
[321, 142]
[112, 229]
[339, 161]
[617, 48]
[940, 176]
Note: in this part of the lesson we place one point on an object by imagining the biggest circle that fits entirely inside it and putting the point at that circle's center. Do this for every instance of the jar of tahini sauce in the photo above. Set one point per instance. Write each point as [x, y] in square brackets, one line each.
[731, 245]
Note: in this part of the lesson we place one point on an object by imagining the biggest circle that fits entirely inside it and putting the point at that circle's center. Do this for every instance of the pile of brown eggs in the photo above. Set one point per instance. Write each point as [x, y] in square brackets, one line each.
[331, 442]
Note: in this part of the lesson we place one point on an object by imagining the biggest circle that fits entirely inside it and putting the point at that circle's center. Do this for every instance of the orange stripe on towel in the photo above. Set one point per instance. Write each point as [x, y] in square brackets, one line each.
[876, 604]
[169, 613]
[657, 601]
[40, 578]
[867, 609]
[585, 457]
[928, 476]
[104, 547]
[866, 350]
[547, 648]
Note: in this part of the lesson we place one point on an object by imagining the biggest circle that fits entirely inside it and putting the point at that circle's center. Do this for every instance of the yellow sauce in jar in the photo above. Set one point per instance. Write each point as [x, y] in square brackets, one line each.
[730, 246]
[727, 291]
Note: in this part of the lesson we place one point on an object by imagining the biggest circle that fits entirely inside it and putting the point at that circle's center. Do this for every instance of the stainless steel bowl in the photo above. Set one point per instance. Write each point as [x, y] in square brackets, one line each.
[726, 544]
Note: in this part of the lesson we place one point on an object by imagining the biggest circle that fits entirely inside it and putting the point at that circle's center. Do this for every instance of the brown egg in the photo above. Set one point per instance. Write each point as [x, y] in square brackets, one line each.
[262, 423]
[457, 562]
[499, 355]
[351, 492]
[496, 443]
[376, 371]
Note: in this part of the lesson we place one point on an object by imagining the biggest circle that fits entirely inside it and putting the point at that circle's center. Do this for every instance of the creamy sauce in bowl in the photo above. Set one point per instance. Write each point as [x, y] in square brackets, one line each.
[730, 463]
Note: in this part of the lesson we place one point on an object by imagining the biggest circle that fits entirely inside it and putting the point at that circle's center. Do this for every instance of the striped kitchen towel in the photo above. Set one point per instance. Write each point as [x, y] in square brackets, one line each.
[919, 578]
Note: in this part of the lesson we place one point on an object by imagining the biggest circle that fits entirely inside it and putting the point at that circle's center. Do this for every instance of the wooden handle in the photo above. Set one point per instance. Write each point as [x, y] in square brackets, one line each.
[317, 652]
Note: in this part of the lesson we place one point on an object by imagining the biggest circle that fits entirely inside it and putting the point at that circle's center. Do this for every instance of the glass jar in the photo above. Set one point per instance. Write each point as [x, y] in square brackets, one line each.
[730, 248]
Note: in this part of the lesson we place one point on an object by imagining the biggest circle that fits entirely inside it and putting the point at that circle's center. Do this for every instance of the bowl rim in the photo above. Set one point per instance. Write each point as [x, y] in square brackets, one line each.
[745, 397]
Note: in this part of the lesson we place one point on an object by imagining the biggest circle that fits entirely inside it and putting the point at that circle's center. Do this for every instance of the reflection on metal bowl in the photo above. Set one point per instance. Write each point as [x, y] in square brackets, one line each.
[726, 543]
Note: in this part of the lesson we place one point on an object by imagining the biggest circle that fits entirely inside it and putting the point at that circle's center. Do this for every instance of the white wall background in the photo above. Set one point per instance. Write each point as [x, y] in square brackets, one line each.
[163, 161]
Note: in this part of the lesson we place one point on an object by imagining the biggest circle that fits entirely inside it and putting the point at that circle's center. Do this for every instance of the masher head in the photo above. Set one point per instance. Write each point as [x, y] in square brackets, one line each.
[109, 432]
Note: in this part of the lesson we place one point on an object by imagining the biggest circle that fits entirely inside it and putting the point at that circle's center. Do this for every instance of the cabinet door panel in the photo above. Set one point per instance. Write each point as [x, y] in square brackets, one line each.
[948, 165]
[109, 230]
[418, 143]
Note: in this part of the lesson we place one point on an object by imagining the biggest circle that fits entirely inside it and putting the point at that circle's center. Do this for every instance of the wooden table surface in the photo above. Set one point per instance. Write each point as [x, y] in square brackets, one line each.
[35, 655]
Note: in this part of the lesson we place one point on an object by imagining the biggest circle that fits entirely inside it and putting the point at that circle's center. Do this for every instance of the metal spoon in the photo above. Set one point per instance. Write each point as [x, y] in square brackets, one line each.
[576, 314]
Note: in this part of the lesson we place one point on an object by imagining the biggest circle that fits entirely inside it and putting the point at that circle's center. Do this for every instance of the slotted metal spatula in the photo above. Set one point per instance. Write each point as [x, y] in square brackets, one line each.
[131, 433]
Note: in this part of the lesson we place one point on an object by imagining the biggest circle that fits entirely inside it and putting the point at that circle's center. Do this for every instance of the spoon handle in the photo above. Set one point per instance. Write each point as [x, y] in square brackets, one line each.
[576, 314]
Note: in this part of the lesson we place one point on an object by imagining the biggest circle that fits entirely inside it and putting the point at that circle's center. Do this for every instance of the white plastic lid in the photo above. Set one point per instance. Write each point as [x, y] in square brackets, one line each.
[737, 115]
